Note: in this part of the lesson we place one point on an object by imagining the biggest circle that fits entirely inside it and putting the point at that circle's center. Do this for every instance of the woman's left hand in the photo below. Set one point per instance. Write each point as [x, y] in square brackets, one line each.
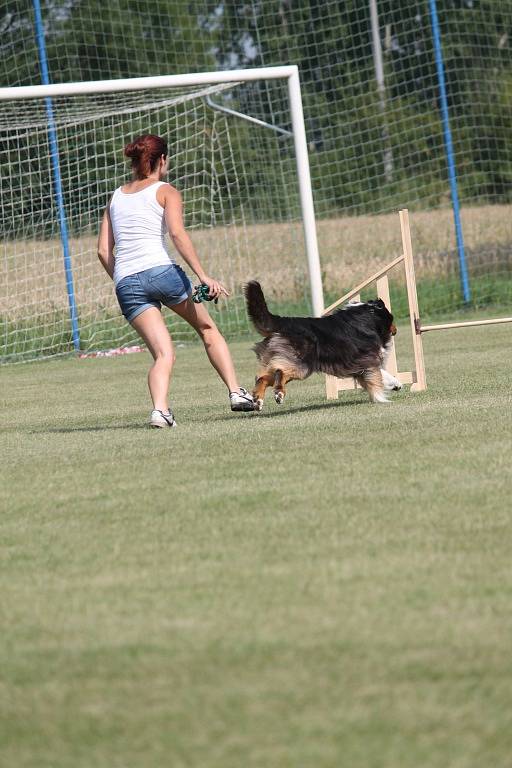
[215, 289]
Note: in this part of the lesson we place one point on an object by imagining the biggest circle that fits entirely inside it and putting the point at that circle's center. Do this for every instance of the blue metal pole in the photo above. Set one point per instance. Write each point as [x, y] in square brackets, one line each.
[57, 181]
[466, 291]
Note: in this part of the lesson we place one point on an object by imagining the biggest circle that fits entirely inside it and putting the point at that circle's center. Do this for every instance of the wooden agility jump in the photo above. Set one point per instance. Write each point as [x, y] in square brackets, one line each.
[415, 378]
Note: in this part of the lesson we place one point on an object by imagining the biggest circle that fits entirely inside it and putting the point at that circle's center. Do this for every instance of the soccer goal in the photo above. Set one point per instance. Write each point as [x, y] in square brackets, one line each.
[238, 154]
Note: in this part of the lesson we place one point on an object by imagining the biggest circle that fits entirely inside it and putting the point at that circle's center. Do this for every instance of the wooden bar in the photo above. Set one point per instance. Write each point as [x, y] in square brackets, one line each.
[351, 294]
[383, 293]
[421, 382]
[416, 378]
[331, 387]
[347, 382]
[447, 326]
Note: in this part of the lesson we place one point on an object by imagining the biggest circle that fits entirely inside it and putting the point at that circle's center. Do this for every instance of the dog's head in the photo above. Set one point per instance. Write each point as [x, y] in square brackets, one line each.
[383, 314]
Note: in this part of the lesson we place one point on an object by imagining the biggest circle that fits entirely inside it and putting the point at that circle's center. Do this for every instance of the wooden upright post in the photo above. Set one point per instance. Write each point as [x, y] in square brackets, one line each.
[383, 293]
[412, 296]
[415, 378]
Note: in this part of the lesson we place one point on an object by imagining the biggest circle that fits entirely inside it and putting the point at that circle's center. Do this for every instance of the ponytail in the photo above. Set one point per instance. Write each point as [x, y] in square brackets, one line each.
[145, 152]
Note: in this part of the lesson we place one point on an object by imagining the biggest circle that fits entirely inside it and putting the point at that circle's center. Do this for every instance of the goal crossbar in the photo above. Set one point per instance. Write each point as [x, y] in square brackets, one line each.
[148, 83]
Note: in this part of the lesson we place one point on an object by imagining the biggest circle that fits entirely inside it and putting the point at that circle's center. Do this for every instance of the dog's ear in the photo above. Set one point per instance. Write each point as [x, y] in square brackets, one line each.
[379, 303]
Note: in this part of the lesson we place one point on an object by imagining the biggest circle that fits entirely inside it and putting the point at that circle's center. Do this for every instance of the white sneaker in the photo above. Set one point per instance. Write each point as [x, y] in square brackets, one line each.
[241, 400]
[161, 419]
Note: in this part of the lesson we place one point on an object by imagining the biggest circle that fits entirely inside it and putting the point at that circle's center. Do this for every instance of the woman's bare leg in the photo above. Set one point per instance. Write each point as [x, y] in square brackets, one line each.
[214, 343]
[151, 327]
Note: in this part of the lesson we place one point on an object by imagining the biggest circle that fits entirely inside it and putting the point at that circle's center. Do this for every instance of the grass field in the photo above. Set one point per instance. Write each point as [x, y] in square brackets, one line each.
[321, 585]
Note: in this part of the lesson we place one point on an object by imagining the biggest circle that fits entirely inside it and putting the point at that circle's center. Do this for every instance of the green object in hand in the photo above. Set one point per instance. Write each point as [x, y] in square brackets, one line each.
[202, 293]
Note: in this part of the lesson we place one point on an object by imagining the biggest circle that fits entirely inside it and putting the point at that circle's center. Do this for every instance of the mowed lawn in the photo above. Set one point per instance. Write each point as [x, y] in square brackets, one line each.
[324, 584]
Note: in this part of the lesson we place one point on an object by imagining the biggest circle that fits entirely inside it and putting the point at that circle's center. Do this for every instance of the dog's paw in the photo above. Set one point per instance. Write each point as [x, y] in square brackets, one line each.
[391, 384]
[279, 397]
[380, 397]
[258, 404]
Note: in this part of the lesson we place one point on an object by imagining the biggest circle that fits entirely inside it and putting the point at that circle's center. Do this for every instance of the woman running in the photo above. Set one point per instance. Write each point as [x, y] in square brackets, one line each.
[135, 223]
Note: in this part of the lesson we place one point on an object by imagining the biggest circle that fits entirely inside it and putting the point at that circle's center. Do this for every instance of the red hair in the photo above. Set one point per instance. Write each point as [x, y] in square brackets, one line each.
[145, 152]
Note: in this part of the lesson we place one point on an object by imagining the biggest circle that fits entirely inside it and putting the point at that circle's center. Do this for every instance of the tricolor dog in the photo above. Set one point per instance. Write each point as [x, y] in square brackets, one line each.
[353, 341]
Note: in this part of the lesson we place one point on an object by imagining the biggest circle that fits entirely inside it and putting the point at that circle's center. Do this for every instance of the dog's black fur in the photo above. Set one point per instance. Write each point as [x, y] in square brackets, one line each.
[350, 342]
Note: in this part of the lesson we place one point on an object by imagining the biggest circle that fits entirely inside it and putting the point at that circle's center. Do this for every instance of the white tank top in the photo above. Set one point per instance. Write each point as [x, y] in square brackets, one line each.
[138, 225]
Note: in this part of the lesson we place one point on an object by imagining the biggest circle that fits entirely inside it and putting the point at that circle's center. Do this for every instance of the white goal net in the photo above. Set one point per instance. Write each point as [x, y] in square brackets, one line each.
[242, 207]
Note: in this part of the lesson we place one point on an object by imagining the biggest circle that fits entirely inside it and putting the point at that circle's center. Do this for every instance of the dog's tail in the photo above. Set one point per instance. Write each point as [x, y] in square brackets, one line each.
[264, 321]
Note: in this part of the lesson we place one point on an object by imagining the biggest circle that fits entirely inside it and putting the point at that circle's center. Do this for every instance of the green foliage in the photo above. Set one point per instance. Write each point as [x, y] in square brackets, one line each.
[349, 125]
[347, 128]
[84, 41]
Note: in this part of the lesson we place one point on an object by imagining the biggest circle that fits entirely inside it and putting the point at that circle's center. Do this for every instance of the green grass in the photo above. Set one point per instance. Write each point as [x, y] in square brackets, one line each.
[326, 584]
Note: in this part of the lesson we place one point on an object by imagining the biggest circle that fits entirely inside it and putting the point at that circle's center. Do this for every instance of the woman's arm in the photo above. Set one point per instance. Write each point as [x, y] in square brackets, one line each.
[106, 244]
[174, 220]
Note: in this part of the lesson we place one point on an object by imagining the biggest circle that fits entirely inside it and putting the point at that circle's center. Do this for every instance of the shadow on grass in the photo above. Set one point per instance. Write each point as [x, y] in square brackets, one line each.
[66, 430]
[299, 409]
[273, 414]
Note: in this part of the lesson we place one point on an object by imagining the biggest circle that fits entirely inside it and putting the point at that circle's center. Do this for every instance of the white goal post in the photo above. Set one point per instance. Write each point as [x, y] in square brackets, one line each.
[63, 95]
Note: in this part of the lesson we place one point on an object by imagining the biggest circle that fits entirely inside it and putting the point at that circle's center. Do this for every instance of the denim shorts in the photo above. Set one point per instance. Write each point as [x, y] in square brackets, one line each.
[153, 287]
